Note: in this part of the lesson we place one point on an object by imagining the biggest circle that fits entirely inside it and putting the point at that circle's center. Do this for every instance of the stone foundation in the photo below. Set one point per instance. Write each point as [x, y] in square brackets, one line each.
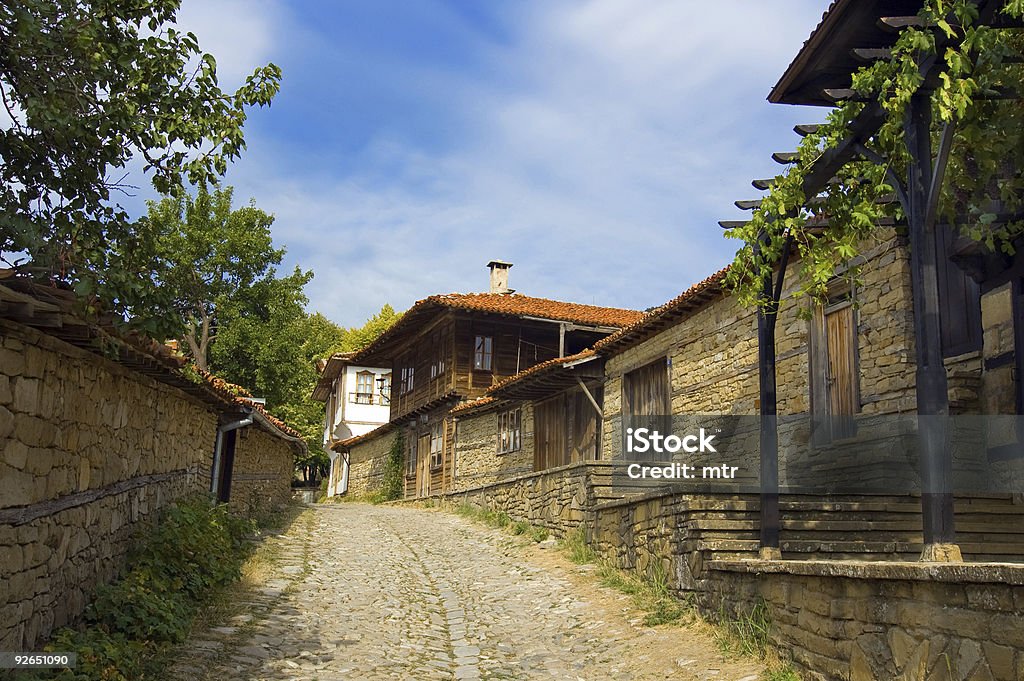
[846, 621]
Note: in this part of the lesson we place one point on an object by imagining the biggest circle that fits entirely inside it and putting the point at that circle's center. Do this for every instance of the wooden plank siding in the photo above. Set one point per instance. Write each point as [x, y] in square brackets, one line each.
[516, 345]
[566, 430]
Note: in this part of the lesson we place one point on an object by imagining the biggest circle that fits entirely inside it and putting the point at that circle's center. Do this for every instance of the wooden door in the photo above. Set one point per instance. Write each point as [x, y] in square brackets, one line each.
[549, 433]
[841, 380]
[423, 465]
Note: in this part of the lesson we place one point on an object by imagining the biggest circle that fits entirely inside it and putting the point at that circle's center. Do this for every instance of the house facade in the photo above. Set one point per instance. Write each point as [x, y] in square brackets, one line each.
[356, 400]
[452, 349]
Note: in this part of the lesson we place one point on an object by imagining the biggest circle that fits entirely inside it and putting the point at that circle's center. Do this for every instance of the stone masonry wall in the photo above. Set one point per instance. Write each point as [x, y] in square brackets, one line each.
[557, 498]
[869, 621]
[89, 452]
[713, 355]
[366, 467]
[476, 450]
[262, 472]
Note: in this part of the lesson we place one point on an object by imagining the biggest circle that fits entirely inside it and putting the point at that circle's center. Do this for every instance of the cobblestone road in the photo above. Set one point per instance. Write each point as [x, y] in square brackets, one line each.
[369, 592]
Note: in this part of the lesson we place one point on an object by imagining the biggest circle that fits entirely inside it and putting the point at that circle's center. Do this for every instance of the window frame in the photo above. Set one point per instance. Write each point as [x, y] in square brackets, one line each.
[510, 431]
[359, 396]
[437, 432]
[483, 356]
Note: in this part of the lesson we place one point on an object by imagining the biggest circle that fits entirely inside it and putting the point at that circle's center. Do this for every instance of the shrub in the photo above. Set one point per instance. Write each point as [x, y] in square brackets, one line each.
[195, 547]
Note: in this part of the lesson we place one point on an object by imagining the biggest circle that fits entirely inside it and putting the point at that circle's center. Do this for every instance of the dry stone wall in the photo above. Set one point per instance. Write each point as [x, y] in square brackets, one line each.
[477, 461]
[263, 469]
[89, 452]
[366, 464]
[868, 621]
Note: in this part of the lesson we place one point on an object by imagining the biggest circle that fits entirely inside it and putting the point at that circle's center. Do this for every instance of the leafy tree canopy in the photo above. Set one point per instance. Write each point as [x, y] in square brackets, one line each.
[215, 267]
[88, 85]
[984, 170]
[357, 338]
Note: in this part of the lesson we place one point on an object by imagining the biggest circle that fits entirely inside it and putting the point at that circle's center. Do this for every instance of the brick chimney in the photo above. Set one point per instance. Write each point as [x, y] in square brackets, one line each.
[499, 276]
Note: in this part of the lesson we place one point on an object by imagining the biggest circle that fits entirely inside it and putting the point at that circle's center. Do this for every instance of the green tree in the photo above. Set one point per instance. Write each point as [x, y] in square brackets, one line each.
[216, 264]
[357, 338]
[89, 85]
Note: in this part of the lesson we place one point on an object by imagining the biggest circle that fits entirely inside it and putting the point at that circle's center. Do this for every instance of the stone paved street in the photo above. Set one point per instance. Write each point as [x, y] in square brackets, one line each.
[370, 592]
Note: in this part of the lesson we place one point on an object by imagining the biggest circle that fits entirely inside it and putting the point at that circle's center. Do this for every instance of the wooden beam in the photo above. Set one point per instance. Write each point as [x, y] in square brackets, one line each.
[806, 129]
[897, 24]
[786, 157]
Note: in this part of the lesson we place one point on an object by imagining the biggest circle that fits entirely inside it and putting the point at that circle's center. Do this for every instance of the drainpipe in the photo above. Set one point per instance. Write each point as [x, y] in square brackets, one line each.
[219, 444]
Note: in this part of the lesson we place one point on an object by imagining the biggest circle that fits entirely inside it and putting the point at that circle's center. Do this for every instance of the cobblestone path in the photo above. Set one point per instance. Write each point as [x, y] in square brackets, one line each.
[370, 592]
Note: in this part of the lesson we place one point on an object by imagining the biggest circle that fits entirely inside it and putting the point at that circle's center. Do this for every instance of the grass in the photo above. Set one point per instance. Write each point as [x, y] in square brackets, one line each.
[500, 520]
[227, 601]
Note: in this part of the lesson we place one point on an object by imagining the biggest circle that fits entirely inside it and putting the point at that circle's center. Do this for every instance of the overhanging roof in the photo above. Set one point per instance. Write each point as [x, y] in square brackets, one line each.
[826, 59]
[508, 305]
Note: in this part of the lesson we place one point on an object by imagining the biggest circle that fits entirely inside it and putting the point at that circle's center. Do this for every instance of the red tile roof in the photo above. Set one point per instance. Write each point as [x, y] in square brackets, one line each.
[543, 367]
[502, 304]
[473, 405]
[515, 304]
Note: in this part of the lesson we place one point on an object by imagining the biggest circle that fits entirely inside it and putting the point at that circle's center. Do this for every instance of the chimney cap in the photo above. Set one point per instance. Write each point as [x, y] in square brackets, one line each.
[499, 263]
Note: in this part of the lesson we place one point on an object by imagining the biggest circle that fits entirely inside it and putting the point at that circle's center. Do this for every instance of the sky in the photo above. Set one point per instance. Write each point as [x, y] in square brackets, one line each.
[595, 144]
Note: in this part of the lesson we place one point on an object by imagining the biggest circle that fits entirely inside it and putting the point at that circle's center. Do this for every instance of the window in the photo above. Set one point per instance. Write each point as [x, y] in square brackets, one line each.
[510, 431]
[408, 380]
[364, 388]
[436, 444]
[440, 362]
[483, 353]
[835, 389]
[385, 389]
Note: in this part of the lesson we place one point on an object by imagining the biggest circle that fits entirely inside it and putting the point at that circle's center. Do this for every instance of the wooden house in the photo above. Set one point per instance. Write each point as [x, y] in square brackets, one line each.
[451, 349]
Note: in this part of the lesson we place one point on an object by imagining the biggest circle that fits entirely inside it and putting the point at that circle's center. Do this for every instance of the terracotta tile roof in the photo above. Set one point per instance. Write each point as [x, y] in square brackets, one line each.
[236, 394]
[358, 439]
[474, 405]
[503, 304]
[515, 304]
[690, 300]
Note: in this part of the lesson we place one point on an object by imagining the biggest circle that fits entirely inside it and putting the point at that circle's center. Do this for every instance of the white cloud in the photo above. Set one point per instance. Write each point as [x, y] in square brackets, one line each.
[598, 161]
[239, 33]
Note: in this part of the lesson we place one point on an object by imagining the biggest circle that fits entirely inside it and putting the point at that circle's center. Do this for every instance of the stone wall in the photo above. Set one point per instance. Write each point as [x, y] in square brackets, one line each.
[557, 498]
[89, 451]
[713, 352]
[477, 461]
[262, 473]
[366, 467]
[846, 621]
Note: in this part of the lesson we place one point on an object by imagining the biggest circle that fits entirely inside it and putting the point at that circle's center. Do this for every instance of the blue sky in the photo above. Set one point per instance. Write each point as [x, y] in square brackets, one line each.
[593, 143]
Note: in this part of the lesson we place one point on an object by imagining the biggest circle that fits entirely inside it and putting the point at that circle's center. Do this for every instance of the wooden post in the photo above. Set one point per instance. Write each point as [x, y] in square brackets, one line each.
[936, 462]
[767, 316]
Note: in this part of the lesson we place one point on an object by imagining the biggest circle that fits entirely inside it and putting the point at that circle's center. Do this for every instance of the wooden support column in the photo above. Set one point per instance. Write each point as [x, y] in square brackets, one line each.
[767, 316]
[936, 462]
